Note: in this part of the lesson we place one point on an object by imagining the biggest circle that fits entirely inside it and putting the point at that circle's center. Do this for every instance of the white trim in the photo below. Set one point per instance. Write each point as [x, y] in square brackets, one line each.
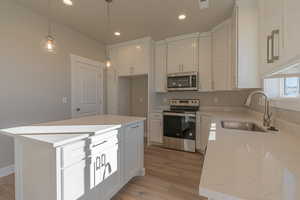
[224, 23]
[101, 66]
[5, 171]
[143, 40]
[182, 37]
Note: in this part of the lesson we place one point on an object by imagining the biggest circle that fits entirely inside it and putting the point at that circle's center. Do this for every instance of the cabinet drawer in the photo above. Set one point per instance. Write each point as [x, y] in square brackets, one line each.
[73, 153]
[155, 115]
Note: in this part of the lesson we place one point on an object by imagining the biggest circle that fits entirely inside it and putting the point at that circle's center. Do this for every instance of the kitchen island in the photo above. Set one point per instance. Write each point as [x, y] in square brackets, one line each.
[84, 158]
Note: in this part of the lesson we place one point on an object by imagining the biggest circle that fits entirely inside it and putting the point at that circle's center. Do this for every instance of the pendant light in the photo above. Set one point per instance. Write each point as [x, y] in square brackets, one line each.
[49, 43]
[108, 60]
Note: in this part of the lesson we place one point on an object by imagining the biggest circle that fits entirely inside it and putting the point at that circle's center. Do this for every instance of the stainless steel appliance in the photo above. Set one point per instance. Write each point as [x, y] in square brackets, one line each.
[182, 81]
[180, 124]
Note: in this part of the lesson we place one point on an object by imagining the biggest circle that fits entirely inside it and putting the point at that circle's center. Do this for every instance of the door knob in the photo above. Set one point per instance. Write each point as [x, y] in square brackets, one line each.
[77, 109]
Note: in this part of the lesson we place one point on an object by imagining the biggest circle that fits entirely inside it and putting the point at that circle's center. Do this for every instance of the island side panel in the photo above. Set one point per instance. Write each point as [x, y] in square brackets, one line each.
[35, 170]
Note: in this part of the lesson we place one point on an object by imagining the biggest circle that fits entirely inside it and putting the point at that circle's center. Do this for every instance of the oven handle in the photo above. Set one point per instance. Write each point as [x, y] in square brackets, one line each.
[180, 114]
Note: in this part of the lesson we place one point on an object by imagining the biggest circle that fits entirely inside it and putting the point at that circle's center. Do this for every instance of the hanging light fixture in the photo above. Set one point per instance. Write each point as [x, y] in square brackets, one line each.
[49, 43]
[108, 3]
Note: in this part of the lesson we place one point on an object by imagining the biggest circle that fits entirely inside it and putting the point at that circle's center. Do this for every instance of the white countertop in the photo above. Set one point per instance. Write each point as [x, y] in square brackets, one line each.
[58, 133]
[250, 166]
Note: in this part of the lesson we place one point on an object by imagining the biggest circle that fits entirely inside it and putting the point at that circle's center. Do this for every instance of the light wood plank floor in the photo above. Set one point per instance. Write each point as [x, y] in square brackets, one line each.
[170, 175]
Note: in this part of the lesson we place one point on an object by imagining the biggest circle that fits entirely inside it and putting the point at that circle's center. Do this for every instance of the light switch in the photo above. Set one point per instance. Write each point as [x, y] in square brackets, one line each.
[65, 100]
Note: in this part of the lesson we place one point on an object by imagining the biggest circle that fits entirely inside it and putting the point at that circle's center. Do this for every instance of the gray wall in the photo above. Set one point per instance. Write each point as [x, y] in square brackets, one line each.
[32, 82]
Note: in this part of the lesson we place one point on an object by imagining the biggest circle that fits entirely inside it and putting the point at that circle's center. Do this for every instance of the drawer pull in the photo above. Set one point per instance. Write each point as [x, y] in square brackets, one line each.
[105, 141]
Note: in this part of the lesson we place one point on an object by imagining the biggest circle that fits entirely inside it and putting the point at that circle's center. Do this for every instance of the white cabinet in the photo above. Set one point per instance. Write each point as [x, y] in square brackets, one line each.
[156, 128]
[131, 58]
[132, 157]
[271, 33]
[292, 29]
[182, 54]
[160, 66]
[87, 169]
[205, 66]
[221, 57]
[245, 37]
[74, 182]
[203, 130]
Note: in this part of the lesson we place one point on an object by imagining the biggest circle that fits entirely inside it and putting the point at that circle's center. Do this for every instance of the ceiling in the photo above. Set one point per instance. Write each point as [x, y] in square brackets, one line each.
[135, 18]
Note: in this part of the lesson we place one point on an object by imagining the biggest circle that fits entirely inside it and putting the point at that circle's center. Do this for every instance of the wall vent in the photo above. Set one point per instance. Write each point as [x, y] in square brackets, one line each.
[203, 4]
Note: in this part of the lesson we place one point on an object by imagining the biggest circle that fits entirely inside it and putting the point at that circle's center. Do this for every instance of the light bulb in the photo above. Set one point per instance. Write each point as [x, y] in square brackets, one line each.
[182, 17]
[50, 44]
[108, 63]
[68, 2]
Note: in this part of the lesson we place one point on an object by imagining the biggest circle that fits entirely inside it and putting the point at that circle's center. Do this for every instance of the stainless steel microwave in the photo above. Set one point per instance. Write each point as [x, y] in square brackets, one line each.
[182, 81]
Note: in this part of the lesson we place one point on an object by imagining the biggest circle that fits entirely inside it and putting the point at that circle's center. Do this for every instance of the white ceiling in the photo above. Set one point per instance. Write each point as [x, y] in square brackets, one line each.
[135, 18]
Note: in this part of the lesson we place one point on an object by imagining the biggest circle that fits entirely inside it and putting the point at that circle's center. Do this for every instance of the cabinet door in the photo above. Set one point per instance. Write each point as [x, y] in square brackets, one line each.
[131, 154]
[141, 53]
[205, 67]
[182, 55]
[205, 123]
[125, 60]
[160, 67]
[156, 131]
[222, 70]
[272, 20]
[292, 29]
[74, 181]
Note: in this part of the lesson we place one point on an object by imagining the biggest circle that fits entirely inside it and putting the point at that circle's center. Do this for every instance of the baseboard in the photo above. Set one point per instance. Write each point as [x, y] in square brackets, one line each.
[5, 171]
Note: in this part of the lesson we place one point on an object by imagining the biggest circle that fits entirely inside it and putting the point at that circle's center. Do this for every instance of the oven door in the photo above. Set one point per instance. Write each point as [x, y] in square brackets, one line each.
[180, 125]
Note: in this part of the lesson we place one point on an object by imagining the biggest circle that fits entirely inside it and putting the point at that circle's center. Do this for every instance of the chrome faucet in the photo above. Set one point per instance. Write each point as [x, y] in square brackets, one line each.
[267, 114]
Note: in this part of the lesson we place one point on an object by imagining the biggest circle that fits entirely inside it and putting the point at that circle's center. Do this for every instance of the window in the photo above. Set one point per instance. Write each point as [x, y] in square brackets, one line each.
[291, 87]
[283, 88]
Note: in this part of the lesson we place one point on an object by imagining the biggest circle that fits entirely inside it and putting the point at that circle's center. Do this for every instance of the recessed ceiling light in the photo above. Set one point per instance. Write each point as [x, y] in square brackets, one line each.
[68, 2]
[182, 16]
[117, 33]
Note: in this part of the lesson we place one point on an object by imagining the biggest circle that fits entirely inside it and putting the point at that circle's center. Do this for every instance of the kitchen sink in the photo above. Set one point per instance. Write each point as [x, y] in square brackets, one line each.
[244, 126]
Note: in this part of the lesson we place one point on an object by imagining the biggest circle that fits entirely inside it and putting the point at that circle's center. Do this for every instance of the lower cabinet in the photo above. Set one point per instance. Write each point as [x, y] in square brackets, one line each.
[112, 159]
[132, 158]
[156, 128]
[203, 128]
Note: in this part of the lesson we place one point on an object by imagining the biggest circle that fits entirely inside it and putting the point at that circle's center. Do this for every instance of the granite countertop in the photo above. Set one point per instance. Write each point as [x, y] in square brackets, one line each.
[59, 133]
[241, 165]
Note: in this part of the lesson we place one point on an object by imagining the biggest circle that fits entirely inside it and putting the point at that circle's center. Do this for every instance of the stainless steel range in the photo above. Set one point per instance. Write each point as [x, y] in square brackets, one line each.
[180, 124]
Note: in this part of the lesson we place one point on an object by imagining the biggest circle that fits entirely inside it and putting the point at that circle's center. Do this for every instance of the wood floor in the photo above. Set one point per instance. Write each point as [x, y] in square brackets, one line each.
[170, 175]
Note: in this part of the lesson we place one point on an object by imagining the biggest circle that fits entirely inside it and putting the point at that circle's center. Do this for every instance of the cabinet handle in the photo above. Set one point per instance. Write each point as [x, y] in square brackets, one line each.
[274, 34]
[269, 41]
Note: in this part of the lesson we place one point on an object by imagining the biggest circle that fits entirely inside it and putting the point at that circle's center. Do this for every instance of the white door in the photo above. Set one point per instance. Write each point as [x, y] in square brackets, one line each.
[87, 87]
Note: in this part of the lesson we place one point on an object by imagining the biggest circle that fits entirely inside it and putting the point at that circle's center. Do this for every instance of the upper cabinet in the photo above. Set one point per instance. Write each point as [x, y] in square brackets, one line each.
[280, 32]
[221, 57]
[160, 66]
[205, 69]
[182, 54]
[292, 29]
[131, 58]
[245, 44]
[271, 18]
